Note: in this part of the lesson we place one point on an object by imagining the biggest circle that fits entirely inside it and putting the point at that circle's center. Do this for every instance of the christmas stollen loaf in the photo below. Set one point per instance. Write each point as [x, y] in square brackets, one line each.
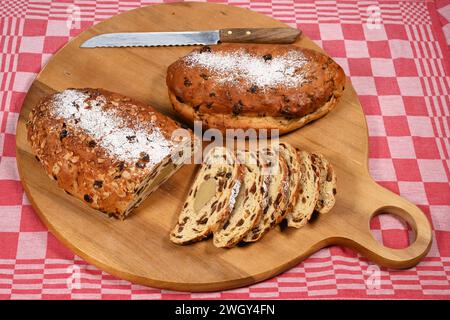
[103, 148]
[254, 86]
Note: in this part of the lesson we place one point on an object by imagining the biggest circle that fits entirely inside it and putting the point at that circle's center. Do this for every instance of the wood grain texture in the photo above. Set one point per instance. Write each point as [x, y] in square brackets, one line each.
[138, 249]
[259, 35]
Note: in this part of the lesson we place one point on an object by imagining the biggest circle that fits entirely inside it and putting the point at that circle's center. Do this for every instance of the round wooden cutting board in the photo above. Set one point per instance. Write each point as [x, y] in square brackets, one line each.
[138, 249]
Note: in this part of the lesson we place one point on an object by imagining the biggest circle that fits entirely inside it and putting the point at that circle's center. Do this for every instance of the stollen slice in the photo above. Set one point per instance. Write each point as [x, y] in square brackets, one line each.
[308, 192]
[327, 183]
[292, 158]
[211, 197]
[278, 197]
[250, 203]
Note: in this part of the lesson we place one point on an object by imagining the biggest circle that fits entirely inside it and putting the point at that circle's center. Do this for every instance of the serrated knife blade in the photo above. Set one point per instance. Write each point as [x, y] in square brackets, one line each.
[153, 39]
[189, 38]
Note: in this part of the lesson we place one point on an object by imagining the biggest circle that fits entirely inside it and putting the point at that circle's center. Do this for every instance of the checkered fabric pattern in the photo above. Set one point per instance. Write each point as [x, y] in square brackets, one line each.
[443, 8]
[397, 57]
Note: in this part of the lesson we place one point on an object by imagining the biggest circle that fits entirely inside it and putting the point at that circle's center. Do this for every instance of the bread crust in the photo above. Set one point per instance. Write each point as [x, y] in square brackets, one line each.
[223, 122]
[82, 166]
[196, 92]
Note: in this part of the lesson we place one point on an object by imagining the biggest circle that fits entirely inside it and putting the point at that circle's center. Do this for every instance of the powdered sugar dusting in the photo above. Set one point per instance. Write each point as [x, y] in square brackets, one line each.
[108, 129]
[234, 194]
[229, 67]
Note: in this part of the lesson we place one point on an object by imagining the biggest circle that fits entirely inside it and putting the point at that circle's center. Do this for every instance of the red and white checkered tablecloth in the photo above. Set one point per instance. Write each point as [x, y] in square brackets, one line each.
[443, 8]
[397, 57]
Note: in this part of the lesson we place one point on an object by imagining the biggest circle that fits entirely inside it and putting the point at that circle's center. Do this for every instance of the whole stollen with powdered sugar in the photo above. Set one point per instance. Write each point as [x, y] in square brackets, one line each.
[103, 148]
[254, 86]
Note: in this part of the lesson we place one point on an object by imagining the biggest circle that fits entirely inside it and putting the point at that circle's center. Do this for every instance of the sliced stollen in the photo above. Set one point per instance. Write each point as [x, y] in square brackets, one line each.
[211, 197]
[292, 158]
[278, 197]
[327, 183]
[308, 192]
[250, 203]
[105, 149]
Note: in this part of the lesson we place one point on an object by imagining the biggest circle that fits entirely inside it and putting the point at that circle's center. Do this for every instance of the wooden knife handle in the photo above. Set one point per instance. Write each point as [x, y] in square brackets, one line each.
[259, 35]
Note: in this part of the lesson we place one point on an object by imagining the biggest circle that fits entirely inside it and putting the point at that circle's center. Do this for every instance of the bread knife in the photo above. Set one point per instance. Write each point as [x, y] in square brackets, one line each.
[189, 38]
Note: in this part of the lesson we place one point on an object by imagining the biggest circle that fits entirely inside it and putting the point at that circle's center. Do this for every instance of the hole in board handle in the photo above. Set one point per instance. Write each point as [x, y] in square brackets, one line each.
[391, 230]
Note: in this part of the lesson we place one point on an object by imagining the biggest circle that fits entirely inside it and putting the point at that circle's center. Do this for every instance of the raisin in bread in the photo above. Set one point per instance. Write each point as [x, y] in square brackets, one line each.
[278, 197]
[103, 148]
[254, 86]
[211, 198]
[250, 203]
[327, 183]
[308, 192]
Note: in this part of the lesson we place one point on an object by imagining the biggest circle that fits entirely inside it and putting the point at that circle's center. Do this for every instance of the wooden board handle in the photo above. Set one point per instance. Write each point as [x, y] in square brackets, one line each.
[366, 244]
[260, 35]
